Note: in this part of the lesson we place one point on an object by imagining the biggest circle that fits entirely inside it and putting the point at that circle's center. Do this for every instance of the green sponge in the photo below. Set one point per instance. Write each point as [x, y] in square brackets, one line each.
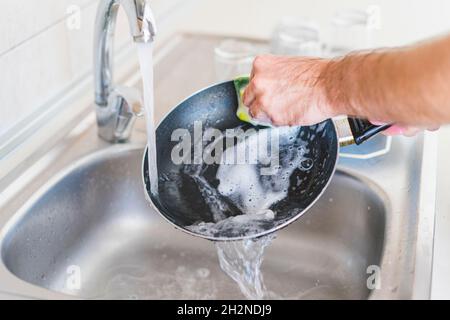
[243, 112]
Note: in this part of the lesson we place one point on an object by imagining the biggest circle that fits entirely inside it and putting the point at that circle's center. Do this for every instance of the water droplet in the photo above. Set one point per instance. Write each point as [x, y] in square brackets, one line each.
[203, 273]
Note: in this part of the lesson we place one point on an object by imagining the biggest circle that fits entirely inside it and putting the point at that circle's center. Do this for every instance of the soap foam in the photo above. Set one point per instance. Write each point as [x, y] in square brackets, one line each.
[236, 226]
[243, 184]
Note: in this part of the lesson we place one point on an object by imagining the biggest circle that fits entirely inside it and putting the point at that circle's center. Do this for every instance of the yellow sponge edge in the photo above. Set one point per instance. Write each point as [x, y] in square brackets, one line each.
[243, 113]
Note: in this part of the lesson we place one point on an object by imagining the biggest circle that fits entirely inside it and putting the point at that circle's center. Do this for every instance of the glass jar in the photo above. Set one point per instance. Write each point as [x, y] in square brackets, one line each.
[296, 37]
[233, 58]
[353, 30]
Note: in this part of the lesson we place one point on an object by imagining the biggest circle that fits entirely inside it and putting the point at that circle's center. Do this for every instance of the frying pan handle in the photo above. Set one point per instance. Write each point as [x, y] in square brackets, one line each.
[362, 129]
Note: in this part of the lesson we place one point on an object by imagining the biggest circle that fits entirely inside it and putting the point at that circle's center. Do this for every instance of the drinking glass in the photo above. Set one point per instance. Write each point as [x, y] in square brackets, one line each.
[234, 58]
[296, 37]
[353, 30]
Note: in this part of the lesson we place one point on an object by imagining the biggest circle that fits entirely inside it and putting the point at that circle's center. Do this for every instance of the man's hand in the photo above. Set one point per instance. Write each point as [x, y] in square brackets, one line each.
[305, 91]
[288, 91]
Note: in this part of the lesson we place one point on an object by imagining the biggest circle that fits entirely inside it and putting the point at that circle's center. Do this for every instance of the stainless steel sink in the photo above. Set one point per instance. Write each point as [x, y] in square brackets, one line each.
[95, 217]
[82, 213]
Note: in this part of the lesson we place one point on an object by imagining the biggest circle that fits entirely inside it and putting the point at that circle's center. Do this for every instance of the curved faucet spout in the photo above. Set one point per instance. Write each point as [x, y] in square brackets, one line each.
[114, 115]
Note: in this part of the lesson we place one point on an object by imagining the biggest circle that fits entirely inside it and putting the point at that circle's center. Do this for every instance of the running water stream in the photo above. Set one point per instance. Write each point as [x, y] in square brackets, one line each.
[145, 51]
[241, 261]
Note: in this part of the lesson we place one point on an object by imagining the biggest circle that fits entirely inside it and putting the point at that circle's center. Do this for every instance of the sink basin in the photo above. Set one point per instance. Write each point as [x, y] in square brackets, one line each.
[94, 216]
[74, 222]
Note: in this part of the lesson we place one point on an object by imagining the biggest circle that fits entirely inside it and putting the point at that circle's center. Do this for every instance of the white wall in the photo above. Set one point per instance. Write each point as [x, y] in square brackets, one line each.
[40, 56]
[404, 21]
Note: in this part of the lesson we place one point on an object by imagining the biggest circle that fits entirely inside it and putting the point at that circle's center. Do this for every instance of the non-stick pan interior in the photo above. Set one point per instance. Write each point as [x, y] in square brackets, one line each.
[181, 198]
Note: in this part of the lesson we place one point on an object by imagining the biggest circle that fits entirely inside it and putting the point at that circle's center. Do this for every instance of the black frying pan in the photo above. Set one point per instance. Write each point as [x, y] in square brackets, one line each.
[180, 200]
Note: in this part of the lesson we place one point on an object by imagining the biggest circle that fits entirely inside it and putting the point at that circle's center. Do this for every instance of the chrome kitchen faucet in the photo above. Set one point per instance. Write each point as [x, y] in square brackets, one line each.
[117, 106]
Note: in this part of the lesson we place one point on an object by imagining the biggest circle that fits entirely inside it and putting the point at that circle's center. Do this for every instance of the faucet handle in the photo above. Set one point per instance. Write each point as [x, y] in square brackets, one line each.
[127, 103]
[129, 99]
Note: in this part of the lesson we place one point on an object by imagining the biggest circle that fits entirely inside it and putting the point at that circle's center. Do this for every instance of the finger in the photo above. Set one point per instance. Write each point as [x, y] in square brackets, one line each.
[395, 130]
[249, 95]
[252, 74]
[258, 114]
[433, 128]
[407, 131]
[411, 131]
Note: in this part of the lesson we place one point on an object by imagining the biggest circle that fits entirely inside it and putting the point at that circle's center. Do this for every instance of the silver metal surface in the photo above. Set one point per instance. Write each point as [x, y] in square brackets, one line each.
[94, 216]
[82, 205]
[115, 113]
[344, 132]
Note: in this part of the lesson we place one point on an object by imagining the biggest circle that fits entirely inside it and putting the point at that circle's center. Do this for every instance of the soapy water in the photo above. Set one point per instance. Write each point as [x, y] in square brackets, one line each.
[241, 203]
[250, 190]
[237, 225]
[136, 283]
[241, 261]
[253, 194]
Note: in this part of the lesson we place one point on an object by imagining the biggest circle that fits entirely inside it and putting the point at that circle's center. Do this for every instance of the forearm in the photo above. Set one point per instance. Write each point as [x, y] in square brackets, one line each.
[407, 86]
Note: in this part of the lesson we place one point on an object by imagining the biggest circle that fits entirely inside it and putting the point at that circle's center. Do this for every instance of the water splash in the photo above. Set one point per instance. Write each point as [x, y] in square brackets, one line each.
[236, 226]
[241, 204]
[242, 260]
